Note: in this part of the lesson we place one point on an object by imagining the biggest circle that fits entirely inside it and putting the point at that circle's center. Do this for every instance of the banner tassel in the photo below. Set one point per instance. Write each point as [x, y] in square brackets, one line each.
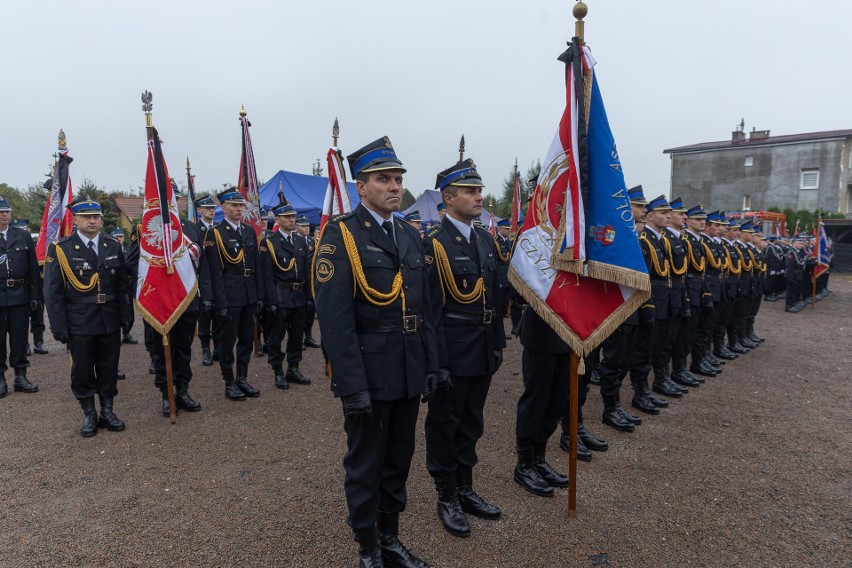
[581, 368]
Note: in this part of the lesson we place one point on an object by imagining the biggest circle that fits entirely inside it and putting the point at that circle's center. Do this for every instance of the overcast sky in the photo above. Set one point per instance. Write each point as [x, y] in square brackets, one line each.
[671, 72]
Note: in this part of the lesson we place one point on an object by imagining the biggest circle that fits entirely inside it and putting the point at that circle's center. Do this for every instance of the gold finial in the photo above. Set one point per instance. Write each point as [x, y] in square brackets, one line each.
[580, 11]
[63, 143]
[335, 132]
[461, 148]
[516, 162]
[187, 163]
[147, 106]
[243, 110]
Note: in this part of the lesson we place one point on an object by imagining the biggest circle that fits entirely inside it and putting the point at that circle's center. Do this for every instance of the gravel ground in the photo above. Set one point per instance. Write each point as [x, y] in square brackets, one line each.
[752, 469]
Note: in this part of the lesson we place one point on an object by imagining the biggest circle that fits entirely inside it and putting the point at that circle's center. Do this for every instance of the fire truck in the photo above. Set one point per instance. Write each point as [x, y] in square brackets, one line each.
[771, 223]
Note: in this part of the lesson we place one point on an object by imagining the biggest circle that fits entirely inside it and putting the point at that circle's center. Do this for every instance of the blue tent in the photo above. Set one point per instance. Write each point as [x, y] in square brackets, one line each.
[427, 204]
[305, 193]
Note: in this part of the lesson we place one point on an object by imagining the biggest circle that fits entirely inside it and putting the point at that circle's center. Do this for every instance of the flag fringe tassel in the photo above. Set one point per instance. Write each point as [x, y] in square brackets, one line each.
[165, 328]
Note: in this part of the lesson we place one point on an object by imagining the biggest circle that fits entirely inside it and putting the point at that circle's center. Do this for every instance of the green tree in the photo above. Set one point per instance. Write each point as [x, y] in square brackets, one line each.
[503, 207]
[316, 169]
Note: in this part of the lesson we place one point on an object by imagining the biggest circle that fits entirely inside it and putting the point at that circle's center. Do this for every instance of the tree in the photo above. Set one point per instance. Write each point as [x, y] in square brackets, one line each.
[316, 169]
[503, 207]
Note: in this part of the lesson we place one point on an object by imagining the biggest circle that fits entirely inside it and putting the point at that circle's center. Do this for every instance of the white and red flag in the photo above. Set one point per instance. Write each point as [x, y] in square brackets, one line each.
[247, 184]
[167, 281]
[516, 201]
[577, 259]
[57, 220]
[337, 199]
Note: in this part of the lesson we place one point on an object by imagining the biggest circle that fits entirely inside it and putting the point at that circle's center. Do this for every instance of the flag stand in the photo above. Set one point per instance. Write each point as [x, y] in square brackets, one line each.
[573, 407]
[167, 354]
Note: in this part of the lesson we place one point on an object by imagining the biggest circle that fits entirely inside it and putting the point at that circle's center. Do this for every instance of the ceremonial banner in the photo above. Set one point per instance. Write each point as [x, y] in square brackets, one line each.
[821, 250]
[516, 201]
[578, 264]
[336, 195]
[191, 214]
[248, 181]
[57, 220]
[167, 282]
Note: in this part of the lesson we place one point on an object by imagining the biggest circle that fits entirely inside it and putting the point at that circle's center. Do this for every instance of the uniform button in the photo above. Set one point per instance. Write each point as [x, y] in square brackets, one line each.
[406, 286]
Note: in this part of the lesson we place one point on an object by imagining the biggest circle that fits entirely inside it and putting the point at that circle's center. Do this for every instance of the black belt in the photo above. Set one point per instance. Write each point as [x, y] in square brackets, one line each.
[666, 281]
[95, 299]
[406, 324]
[291, 285]
[479, 317]
[12, 282]
[246, 272]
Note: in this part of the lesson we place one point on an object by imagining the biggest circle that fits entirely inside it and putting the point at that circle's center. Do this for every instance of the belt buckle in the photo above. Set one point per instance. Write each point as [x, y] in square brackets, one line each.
[10, 283]
[101, 298]
[487, 314]
[246, 272]
[409, 324]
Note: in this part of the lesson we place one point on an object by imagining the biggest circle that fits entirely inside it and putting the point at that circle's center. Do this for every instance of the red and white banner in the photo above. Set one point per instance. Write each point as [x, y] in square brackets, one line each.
[57, 220]
[167, 281]
[247, 185]
[337, 199]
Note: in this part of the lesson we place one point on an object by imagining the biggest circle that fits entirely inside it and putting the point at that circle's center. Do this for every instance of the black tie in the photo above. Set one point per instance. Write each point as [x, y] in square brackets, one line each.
[388, 227]
[92, 253]
[3, 240]
[289, 240]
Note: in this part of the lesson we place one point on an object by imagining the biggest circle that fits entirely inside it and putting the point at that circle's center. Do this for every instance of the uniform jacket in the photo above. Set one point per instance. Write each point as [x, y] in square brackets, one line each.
[733, 268]
[234, 279]
[466, 343]
[285, 286]
[391, 365]
[20, 281]
[77, 312]
[504, 247]
[696, 285]
[714, 267]
[654, 253]
[678, 263]
[744, 288]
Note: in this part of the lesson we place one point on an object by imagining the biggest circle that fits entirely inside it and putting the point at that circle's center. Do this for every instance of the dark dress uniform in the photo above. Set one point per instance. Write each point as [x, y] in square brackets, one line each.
[466, 303]
[702, 348]
[20, 291]
[679, 310]
[284, 266]
[504, 257]
[736, 325]
[87, 297]
[732, 270]
[700, 307]
[310, 310]
[232, 261]
[209, 326]
[37, 318]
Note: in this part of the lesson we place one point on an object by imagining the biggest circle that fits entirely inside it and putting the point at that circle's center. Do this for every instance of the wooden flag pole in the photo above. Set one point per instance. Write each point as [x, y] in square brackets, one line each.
[167, 354]
[573, 406]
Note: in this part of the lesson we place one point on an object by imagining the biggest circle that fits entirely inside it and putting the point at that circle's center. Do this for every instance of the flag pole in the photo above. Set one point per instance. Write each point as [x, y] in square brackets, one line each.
[167, 355]
[461, 148]
[580, 10]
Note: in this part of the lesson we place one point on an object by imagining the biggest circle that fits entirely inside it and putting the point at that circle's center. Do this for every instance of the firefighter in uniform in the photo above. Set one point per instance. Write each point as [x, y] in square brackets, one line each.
[372, 299]
[284, 264]
[209, 327]
[231, 249]
[732, 267]
[465, 293]
[504, 243]
[303, 227]
[36, 314]
[87, 297]
[20, 294]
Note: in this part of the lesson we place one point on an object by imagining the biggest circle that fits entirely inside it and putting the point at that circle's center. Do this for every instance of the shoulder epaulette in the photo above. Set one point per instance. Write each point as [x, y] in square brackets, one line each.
[341, 217]
[62, 240]
[111, 238]
[434, 231]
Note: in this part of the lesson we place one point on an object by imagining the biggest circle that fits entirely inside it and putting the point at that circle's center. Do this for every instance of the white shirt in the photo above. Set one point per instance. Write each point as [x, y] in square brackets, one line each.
[86, 241]
[236, 227]
[653, 231]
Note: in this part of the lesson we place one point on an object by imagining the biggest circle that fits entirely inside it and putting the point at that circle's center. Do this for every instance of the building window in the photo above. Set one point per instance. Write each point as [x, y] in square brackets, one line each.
[747, 202]
[810, 178]
[749, 161]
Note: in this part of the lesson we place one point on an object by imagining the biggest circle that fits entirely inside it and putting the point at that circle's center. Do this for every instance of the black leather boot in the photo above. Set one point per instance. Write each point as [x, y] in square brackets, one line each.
[294, 375]
[612, 417]
[470, 502]
[527, 475]
[681, 378]
[583, 453]
[311, 342]
[547, 473]
[658, 402]
[22, 384]
[725, 354]
[369, 551]
[242, 382]
[644, 404]
[394, 553]
[38, 344]
[231, 390]
[183, 400]
[588, 440]
[280, 378]
[90, 418]
[108, 419]
[449, 508]
[206, 357]
[4, 388]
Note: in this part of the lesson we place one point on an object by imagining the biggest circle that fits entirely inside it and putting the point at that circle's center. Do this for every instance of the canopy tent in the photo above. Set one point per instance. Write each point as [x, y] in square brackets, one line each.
[427, 206]
[305, 193]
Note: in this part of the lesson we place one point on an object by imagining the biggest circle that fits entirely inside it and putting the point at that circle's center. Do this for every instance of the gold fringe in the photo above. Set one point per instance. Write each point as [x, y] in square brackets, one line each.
[164, 328]
[559, 262]
[619, 275]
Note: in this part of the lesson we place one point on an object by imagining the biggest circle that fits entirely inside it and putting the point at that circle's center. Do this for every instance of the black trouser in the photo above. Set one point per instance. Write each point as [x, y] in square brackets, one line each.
[180, 347]
[682, 344]
[94, 364]
[647, 342]
[704, 333]
[239, 331]
[793, 287]
[454, 424]
[737, 321]
[209, 327]
[265, 321]
[37, 319]
[545, 396]
[723, 315]
[662, 350]
[13, 322]
[310, 316]
[378, 460]
[616, 358]
[291, 322]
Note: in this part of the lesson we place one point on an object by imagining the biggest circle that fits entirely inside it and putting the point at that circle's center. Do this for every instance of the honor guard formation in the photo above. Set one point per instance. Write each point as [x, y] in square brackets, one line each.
[409, 317]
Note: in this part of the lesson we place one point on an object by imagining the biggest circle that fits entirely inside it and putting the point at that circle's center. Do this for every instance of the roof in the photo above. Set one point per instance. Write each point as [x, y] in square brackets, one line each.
[131, 206]
[768, 141]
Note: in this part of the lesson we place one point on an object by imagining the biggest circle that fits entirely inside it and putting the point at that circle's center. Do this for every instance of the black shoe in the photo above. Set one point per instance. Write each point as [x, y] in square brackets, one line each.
[753, 337]
[674, 386]
[186, 402]
[129, 339]
[527, 475]
[635, 420]
[294, 375]
[508, 337]
[614, 418]
[90, 425]
[29, 352]
[644, 405]
[547, 473]
[595, 378]
[108, 419]
[247, 389]
[38, 348]
[681, 378]
[206, 358]
[22, 384]
[583, 453]
[281, 380]
[449, 508]
[470, 502]
[715, 361]
[4, 388]
[395, 555]
[749, 343]
[658, 402]
[590, 441]
[370, 558]
[232, 392]
[738, 348]
[311, 342]
[152, 369]
[166, 409]
[666, 390]
[725, 353]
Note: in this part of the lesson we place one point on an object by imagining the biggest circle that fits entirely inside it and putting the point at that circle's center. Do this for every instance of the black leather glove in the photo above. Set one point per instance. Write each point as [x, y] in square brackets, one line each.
[61, 336]
[431, 386]
[225, 314]
[259, 307]
[445, 383]
[206, 306]
[647, 315]
[272, 308]
[358, 407]
[498, 355]
[35, 305]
